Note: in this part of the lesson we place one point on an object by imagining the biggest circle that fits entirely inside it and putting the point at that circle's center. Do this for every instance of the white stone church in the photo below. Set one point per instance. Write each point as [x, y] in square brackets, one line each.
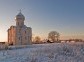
[19, 34]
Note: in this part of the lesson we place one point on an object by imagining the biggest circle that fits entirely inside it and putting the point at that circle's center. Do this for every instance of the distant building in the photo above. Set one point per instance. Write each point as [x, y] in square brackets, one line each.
[2, 43]
[19, 34]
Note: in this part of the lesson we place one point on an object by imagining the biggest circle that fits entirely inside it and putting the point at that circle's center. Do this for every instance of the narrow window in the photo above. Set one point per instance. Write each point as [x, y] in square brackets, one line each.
[19, 38]
[22, 23]
[25, 38]
[25, 32]
[18, 23]
[28, 38]
[19, 30]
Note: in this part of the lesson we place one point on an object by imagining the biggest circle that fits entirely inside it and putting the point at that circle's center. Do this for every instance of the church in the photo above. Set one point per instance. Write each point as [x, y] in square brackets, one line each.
[20, 34]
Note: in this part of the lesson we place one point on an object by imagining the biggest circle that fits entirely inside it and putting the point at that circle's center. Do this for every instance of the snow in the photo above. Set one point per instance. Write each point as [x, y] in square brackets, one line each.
[53, 52]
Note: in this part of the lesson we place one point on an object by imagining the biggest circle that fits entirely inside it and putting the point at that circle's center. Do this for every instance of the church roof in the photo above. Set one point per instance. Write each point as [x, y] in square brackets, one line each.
[20, 16]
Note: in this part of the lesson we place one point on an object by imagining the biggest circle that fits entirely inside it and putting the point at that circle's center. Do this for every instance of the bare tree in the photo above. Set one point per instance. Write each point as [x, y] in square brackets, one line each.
[37, 39]
[53, 36]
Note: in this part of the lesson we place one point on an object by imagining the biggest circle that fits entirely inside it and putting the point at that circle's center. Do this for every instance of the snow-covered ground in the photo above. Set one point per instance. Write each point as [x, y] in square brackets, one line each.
[55, 52]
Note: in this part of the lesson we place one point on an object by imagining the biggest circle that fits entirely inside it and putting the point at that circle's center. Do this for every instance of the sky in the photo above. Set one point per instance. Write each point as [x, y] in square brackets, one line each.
[63, 16]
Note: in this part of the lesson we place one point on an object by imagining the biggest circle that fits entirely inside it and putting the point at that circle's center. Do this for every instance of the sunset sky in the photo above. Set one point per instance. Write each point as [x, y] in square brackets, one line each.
[63, 16]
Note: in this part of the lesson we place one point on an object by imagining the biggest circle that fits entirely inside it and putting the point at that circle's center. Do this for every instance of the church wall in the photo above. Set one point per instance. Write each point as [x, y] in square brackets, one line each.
[11, 35]
[20, 34]
[29, 30]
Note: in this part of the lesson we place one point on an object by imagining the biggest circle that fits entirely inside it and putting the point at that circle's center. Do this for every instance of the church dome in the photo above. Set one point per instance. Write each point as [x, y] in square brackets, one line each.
[20, 16]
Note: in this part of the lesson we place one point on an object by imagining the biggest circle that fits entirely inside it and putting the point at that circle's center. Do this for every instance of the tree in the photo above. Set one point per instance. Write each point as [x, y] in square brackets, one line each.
[37, 39]
[53, 36]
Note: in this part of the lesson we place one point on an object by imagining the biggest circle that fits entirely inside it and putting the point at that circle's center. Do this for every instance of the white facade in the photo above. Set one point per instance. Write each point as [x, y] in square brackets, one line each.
[19, 34]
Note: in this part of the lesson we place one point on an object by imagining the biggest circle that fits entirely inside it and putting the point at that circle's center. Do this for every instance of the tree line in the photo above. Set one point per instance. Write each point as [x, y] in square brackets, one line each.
[53, 36]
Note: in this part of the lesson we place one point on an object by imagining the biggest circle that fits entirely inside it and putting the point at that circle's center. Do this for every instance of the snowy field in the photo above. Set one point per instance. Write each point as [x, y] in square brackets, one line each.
[55, 52]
